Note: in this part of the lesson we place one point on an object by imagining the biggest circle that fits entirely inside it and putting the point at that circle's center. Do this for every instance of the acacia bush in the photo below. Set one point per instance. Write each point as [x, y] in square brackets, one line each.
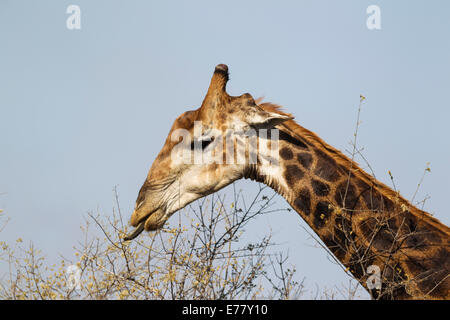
[203, 256]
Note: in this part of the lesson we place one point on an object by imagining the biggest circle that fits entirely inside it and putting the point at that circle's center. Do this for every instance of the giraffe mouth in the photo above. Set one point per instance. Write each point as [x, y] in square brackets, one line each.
[137, 231]
[150, 222]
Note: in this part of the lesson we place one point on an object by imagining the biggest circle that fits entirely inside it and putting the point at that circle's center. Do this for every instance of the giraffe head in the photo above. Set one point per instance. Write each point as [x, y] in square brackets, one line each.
[206, 150]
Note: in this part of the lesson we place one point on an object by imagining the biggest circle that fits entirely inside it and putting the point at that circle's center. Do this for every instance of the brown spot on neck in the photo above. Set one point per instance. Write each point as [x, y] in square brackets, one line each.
[321, 189]
[322, 214]
[286, 153]
[305, 159]
[292, 174]
[326, 167]
[303, 201]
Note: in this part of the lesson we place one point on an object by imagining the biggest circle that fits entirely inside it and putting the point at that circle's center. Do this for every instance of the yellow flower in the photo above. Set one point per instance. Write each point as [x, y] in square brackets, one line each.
[123, 294]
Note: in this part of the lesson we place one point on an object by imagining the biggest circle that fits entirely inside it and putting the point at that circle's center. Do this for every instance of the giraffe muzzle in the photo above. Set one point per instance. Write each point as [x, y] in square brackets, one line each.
[150, 222]
[136, 232]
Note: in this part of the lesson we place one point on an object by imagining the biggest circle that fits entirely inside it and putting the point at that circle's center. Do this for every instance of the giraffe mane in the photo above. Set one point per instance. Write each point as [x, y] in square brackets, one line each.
[344, 161]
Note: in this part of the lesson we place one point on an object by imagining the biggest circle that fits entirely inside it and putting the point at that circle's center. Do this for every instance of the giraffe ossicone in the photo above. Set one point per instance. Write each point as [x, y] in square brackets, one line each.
[365, 224]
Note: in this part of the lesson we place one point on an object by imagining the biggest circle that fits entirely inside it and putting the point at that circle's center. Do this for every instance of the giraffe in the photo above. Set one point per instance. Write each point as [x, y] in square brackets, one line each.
[367, 226]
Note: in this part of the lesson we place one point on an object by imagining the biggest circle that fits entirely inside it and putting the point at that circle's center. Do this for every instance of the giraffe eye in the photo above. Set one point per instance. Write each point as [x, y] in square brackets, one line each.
[202, 143]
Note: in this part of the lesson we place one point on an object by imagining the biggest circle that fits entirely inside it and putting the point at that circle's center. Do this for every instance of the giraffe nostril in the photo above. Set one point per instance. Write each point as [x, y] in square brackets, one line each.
[140, 204]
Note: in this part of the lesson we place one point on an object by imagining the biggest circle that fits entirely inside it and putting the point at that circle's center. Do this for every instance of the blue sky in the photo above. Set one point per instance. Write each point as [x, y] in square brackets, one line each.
[82, 111]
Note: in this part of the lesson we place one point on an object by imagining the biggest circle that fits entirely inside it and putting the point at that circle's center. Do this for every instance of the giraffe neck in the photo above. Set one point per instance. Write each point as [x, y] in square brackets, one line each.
[364, 224]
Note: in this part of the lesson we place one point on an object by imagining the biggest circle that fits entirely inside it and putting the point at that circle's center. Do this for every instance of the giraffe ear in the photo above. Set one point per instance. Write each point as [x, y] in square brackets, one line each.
[266, 119]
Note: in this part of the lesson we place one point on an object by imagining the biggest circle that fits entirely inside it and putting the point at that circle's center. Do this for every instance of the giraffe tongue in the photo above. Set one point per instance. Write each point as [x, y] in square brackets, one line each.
[136, 232]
